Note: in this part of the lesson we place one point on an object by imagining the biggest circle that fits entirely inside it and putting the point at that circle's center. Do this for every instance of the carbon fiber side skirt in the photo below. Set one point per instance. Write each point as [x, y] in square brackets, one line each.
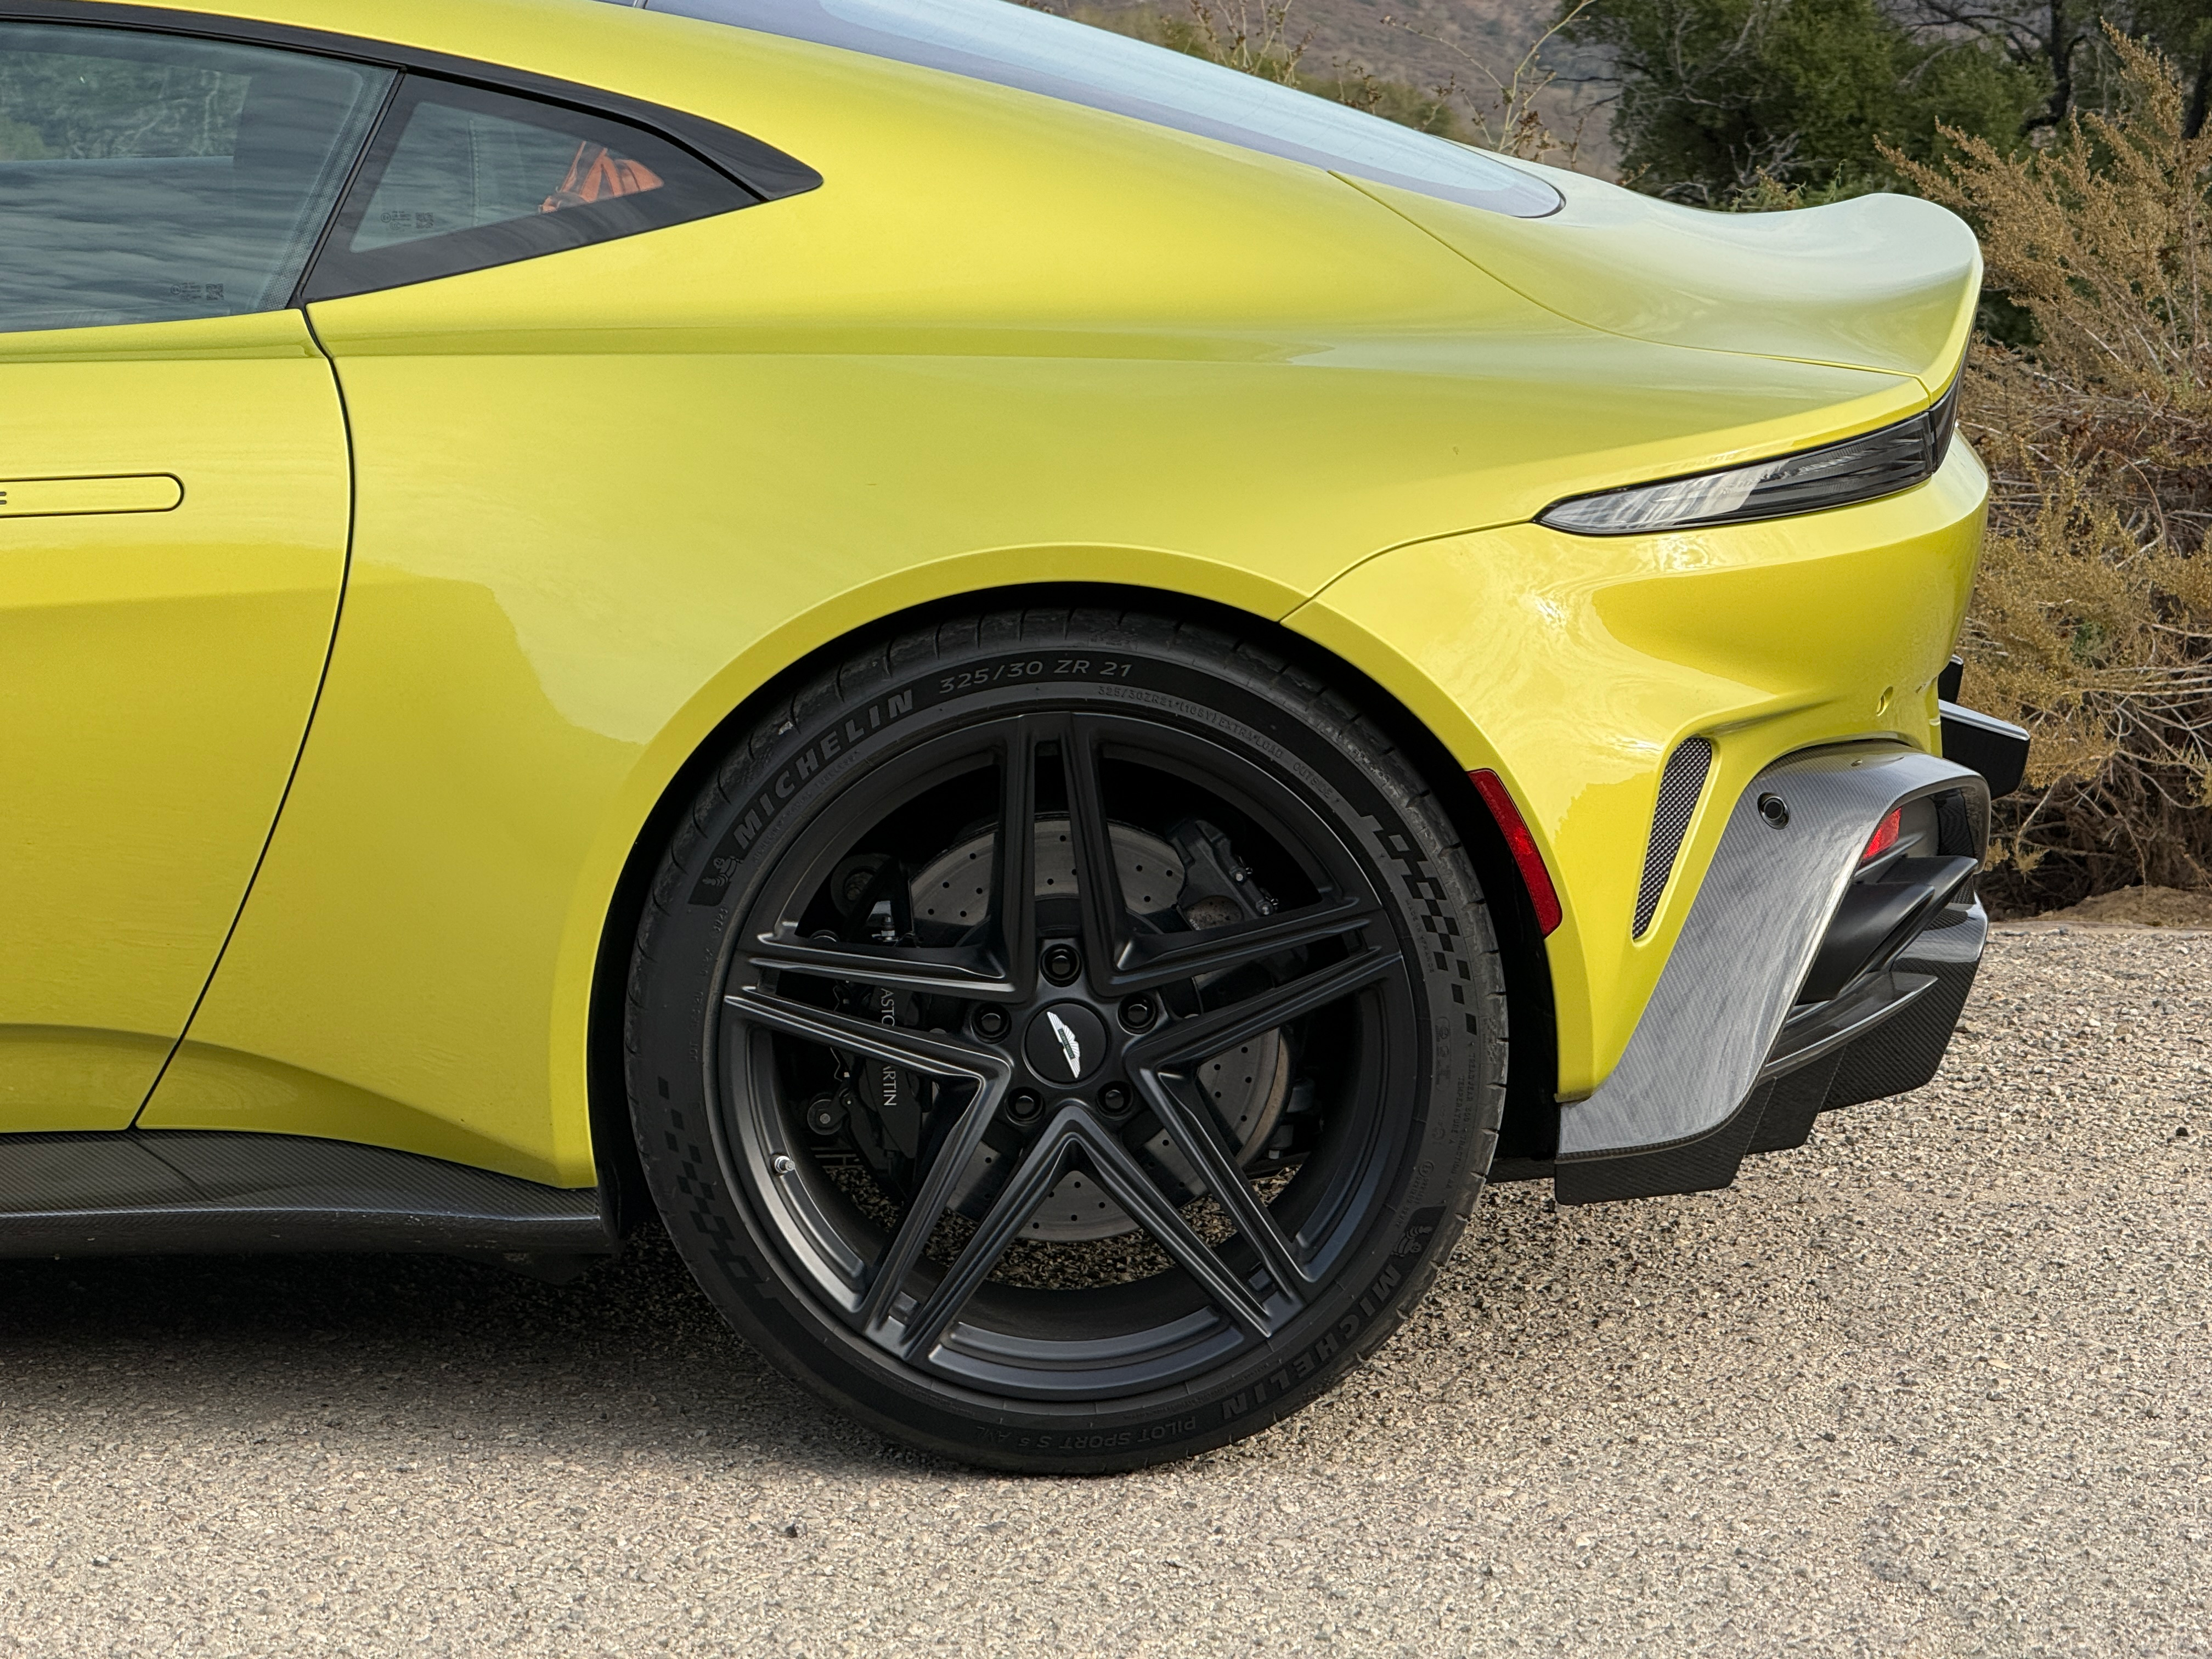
[159, 1192]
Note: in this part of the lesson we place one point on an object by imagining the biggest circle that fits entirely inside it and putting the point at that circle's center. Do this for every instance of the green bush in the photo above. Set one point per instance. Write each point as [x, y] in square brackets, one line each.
[1722, 99]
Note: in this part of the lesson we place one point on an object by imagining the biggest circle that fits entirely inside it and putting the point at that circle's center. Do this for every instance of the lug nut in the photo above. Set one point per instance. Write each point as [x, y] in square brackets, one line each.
[1774, 810]
[1061, 962]
[1024, 1105]
[1139, 1012]
[1114, 1100]
[825, 1116]
[991, 1023]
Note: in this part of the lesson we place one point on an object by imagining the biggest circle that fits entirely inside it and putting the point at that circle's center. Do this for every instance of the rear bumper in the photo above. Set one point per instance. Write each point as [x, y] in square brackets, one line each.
[1734, 1055]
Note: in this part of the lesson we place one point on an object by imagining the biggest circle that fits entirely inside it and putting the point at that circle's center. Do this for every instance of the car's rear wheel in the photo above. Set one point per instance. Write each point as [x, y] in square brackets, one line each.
[1064, 1041]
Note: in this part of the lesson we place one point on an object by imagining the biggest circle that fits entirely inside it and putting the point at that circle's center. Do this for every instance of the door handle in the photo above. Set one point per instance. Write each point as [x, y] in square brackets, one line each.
[35, 498]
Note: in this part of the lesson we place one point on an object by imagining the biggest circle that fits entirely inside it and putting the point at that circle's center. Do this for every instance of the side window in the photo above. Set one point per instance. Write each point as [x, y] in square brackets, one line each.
[145, 178]
[460, 178]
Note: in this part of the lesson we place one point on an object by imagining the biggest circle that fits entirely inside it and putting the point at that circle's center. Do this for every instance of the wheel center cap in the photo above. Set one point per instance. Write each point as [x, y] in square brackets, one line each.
[1064, 1043]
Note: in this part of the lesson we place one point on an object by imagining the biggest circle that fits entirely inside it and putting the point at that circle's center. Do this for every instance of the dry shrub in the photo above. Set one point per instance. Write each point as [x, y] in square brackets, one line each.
[2091, 618]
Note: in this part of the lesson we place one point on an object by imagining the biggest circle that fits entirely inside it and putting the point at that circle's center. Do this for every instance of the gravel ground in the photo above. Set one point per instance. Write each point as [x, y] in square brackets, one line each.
[1936, 1383]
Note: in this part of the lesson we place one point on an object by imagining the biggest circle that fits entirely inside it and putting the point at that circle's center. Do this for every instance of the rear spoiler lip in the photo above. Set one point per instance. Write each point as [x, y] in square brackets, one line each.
[1884, 283]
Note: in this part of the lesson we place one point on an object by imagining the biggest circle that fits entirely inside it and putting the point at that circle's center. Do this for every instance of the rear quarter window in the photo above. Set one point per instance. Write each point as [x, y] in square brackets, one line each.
[461, 178]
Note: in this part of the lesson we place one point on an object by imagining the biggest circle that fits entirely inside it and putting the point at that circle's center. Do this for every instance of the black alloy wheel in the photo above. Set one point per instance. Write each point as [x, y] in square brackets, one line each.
[1066, 1041]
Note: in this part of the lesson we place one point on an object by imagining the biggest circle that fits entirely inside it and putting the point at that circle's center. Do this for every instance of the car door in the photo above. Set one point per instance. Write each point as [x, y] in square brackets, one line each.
[174, 499]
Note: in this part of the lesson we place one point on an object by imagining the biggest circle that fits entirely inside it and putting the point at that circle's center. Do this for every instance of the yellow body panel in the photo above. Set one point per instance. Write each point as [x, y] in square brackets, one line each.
[606, 495]
[169, 567]
[1574, 666]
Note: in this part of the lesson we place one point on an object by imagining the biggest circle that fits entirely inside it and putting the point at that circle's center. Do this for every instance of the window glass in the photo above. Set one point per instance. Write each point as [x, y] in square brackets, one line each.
[145, 178]
[1017, 45]
[460, 178]
[458, 169]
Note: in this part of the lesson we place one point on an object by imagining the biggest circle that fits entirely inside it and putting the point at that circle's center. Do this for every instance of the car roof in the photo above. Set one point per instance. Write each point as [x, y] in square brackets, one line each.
[1011, 45]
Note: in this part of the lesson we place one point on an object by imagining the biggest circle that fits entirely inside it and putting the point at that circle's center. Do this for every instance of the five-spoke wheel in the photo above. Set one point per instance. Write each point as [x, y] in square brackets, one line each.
[1067, 1056]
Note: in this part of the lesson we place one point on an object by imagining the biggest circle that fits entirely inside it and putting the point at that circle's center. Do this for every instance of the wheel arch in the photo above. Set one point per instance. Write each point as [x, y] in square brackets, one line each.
[1530, 1127]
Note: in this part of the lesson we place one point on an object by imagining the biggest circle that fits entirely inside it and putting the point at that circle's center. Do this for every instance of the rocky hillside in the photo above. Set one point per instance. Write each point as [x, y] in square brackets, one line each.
[1425, 44]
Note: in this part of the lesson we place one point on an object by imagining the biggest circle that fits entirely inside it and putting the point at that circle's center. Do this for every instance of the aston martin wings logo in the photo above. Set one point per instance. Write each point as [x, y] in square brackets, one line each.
[1068, 1045]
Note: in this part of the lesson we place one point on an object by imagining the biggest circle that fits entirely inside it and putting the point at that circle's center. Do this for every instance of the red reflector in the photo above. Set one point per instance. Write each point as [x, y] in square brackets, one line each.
[1885, 834]
[1533, 876]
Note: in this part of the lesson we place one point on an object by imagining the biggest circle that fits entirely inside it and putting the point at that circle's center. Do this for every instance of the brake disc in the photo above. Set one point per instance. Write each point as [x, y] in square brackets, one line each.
[1247, 1085]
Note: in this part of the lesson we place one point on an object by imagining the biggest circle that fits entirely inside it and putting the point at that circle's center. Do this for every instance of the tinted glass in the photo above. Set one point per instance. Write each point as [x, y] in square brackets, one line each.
[460, 178]
[1014, 46]
[145, 178]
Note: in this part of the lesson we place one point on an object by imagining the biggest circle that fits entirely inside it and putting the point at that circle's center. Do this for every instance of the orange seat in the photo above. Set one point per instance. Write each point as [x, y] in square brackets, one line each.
[597, 173]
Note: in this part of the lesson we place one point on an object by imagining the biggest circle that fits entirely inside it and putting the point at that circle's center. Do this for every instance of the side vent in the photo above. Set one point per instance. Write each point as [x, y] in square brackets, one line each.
[1679, 786]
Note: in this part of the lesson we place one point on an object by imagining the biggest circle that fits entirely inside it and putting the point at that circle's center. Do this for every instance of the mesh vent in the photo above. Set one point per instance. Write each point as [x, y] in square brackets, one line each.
[1679, 786]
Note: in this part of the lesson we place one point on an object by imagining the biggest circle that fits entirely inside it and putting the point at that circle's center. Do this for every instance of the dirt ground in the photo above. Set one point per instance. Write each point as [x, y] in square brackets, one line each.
[1937, 1383]
[2135, 907]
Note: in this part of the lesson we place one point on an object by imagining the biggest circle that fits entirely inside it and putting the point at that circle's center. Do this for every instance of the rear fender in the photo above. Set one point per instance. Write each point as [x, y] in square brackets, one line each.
[1575, 666]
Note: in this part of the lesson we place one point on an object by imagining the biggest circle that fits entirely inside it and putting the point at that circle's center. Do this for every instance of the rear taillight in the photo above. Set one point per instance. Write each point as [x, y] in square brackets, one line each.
[1885, 835]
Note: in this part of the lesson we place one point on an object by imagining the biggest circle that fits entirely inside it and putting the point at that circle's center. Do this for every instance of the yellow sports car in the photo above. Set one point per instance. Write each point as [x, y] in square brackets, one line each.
[1049, 695]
